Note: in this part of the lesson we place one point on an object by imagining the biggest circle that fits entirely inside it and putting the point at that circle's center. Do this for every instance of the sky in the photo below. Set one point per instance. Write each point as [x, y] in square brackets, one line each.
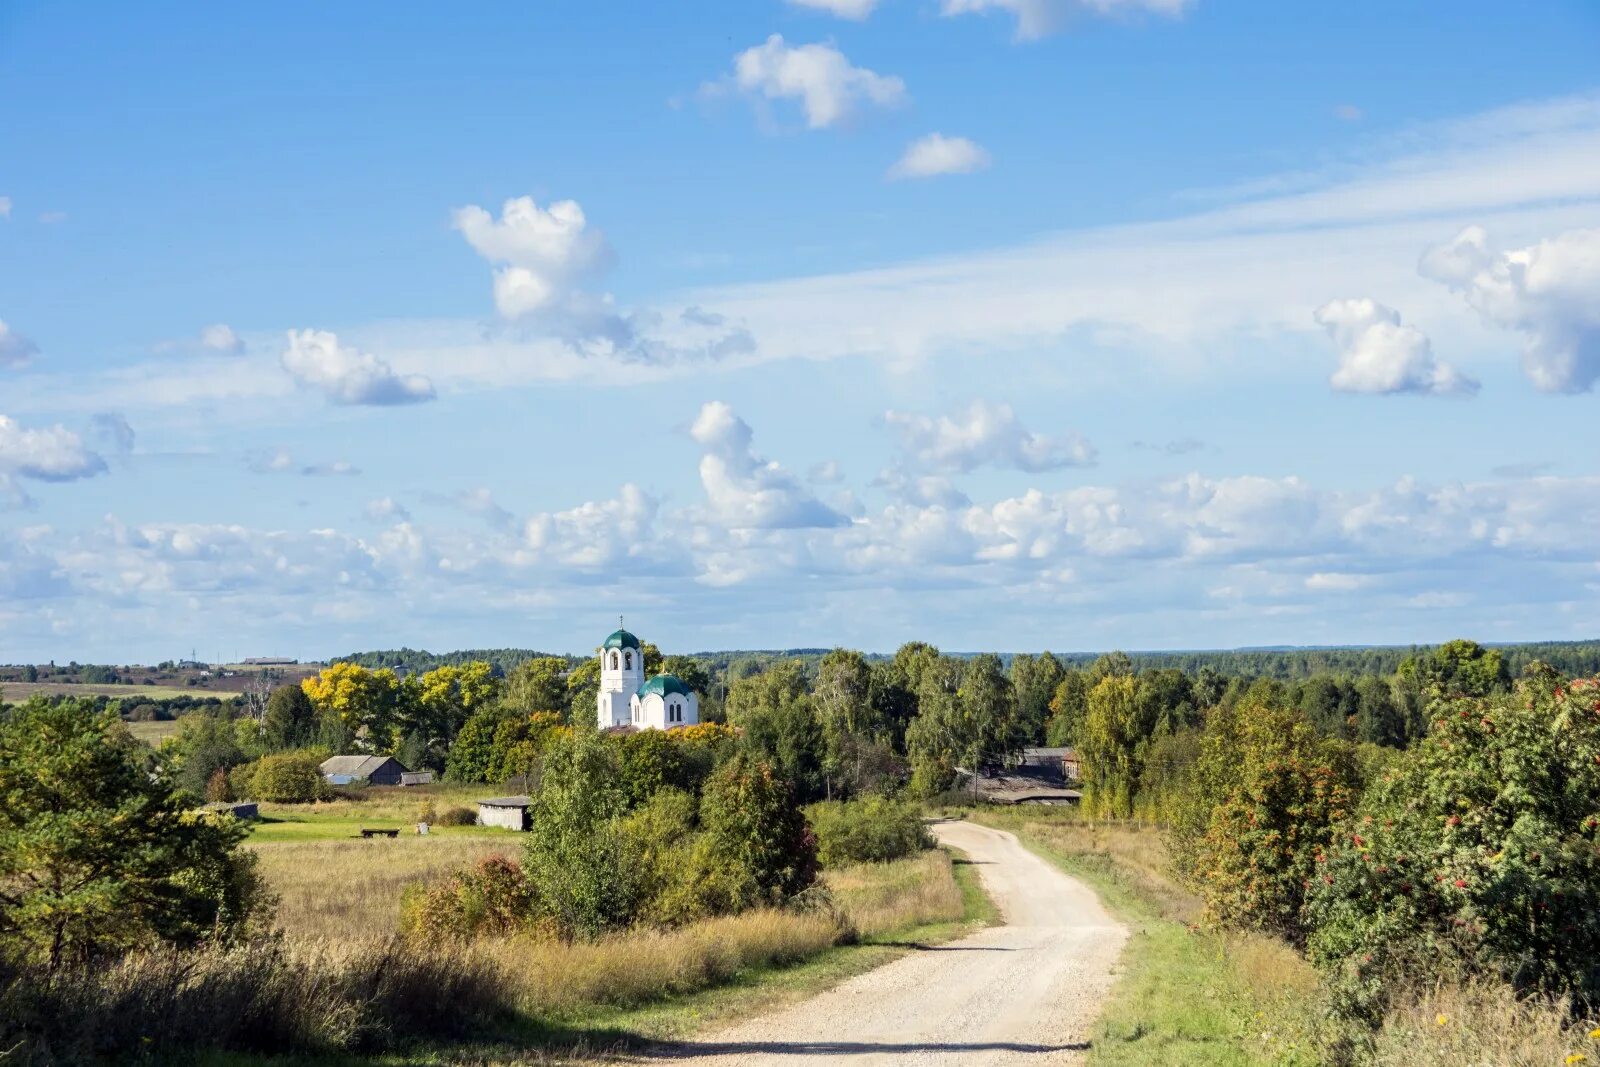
[1001, 324]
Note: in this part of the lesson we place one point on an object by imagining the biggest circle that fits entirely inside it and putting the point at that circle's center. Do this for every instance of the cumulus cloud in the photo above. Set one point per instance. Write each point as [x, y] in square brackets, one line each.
[15, 349]
[985, 435]
[50, 454]
[745, 490]
[219, 337]
[1379, 355]
[603, 534]
[1549, 291]
[1039, 18]
[316, 359]
[936, 154]
[855, 10]
[480, 502]
[828, 88]
[541, 256]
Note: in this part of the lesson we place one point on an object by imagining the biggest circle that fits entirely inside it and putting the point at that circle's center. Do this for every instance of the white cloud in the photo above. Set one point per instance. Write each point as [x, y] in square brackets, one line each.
[386, 509]
[15, 349]
[5, 207]
[541, 256]
[985, 435]
[1039, 18]
[828, 88]
[1549, 291]
[745, 490]
[855, 10]
[600, 534]
[937, 154]
[219, 337]
[51, 454]
[346, 376]
[1334, 582]
[1379, 355]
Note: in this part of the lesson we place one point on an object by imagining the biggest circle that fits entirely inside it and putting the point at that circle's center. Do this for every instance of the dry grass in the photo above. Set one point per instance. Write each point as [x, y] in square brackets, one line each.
[349, 890]
[337, 895]
[1487, 1025]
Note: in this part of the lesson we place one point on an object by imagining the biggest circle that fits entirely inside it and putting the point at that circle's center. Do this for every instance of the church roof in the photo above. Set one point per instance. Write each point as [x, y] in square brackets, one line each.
[621, 639]
[663, 684]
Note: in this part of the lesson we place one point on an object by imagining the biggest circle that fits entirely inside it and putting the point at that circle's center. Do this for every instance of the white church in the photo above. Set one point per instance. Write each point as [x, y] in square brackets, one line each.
[627, 699]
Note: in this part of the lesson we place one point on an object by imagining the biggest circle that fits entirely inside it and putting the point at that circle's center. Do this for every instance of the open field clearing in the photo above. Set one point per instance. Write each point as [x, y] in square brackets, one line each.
[19, 691]
[378, 807]
[153, 733]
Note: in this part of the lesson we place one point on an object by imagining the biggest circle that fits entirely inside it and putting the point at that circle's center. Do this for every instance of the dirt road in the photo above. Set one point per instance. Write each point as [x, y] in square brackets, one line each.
[1026, 992]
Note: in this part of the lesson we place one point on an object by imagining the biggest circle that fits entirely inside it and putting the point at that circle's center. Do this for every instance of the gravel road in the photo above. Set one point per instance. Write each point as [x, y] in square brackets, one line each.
[1026, 992]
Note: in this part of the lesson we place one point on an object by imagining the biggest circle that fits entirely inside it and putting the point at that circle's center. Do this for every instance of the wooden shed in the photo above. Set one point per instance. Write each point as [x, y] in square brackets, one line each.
[374, 770]
[509, 812]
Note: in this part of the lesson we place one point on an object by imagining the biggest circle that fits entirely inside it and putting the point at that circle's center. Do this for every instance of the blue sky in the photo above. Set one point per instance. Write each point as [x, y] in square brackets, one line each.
[999, 323]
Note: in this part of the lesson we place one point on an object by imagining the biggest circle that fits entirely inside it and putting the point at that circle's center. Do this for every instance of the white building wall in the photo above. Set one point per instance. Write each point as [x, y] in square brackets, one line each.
[621, 674]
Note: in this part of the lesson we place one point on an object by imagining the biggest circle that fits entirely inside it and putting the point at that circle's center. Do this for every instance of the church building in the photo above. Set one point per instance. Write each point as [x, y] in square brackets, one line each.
[627, 699]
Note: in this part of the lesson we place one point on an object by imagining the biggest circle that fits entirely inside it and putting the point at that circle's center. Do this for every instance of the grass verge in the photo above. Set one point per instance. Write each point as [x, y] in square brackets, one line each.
[1186, 995]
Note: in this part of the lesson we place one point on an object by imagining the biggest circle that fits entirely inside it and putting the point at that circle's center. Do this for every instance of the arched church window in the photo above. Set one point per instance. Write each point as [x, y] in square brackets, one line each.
[613, 661]
[627, 660]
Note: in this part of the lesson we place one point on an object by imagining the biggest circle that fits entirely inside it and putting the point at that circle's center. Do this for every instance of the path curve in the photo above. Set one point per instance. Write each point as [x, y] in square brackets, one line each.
[1026, 992]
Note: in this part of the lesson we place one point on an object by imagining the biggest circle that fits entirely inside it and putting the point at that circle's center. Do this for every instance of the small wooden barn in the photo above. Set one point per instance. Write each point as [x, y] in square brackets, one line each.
[374, 770]
[509, 812]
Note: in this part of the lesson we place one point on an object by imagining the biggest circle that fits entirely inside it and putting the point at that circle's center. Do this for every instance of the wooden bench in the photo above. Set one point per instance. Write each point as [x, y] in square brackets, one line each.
[379, 833]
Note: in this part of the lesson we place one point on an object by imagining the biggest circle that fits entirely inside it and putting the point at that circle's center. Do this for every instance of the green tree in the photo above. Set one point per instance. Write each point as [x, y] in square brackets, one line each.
[750, 816]
[290, 720]
[576, 857]
[1033, 683]
[1068, 706]
[1459, 668]
[536, 685]
[1111, 747]
[98, 854]
[204, 744]
[774, 709]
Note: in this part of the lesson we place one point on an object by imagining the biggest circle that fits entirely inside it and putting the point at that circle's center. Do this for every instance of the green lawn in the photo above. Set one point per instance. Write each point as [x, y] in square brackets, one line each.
[391, 807]
[19, 691]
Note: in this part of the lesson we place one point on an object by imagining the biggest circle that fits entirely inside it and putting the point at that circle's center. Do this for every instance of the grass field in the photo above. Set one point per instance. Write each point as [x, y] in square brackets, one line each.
[589, 997]
[15, 692]
[153, 733]
[1187, 995]
[379, 807]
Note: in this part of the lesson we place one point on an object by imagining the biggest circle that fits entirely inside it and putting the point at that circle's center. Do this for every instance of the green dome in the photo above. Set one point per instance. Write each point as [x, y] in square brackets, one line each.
[665, 684]
[621, 639]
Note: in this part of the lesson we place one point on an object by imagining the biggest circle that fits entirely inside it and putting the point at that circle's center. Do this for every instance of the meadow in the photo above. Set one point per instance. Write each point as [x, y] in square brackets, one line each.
[374, 807]
[17, 692]
[339, 898]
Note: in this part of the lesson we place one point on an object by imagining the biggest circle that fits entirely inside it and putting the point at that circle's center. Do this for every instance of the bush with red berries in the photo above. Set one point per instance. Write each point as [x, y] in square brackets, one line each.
[1477, 853]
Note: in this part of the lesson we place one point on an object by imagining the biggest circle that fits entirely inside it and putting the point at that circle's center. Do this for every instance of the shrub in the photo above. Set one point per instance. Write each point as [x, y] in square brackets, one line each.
[492, 897]
[457, 816]
[217, 789]
[870, 830]
[286, 778]
[1476, 853]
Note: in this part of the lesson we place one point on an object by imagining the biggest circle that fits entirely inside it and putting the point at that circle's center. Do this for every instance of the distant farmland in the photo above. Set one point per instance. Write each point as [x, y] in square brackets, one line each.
[15, 691]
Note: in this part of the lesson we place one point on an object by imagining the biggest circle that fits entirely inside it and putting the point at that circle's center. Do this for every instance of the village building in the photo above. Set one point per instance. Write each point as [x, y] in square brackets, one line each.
[628, 699]
[373, 770]
[508, 812]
